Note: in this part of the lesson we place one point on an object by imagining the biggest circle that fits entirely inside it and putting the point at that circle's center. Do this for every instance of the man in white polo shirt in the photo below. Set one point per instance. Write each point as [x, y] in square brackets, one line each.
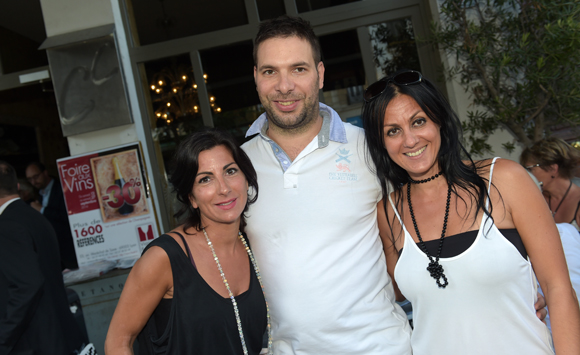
[313, 229]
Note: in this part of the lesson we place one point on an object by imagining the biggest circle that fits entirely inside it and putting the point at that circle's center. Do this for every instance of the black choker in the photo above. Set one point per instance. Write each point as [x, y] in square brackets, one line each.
[435, 269]
[425, 180]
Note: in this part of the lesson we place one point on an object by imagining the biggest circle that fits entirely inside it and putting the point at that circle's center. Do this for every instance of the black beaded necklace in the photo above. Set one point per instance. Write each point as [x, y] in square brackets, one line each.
[425, 180]
[435, 269]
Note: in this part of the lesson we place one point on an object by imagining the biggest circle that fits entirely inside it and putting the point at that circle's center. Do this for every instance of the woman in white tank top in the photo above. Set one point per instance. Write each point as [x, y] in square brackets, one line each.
[460, 246]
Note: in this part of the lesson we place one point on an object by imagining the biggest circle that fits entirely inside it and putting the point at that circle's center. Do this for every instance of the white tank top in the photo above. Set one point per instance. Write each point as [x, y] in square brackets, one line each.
[488, 306]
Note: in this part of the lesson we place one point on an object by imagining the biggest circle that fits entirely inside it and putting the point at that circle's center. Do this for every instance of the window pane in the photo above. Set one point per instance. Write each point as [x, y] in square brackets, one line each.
[269, 9]
[344, 74]
[162, 20]
[21, 33]
[394, 46]
[309, 5]
[174, 108]
[231, 87]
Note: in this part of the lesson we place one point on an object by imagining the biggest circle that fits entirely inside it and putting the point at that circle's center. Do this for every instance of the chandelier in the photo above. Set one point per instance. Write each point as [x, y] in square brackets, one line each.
[174, 95]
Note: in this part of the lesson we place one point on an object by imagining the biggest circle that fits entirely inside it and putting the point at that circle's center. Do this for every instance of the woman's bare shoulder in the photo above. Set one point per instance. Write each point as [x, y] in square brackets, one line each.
[154, 259]
[502, 168]
[509, 170]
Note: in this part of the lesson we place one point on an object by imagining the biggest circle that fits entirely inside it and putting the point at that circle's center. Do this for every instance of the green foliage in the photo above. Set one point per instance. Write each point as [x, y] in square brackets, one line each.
[394, 46]
[518, 60]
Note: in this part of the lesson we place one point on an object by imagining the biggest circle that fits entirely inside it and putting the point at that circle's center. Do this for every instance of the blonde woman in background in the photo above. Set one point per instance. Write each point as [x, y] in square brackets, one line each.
[553, 162]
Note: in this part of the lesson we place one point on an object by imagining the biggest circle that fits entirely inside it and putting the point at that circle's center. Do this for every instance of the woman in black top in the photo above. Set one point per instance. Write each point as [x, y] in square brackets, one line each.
[197, 289]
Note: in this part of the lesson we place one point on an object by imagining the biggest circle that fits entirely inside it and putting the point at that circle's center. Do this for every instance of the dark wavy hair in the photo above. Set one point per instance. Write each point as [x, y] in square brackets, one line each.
[451, 153]
[550, 151]
[186, 164]
[287, 26]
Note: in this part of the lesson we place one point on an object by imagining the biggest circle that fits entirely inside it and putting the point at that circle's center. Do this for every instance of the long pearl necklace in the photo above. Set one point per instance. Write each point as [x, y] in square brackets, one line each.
[234, 303]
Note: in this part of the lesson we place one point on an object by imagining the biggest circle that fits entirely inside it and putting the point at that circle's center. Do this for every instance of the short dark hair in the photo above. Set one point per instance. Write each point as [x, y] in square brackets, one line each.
[38, 164]
[8, 180]
[550, 151]
[186, 165]
[287, 26]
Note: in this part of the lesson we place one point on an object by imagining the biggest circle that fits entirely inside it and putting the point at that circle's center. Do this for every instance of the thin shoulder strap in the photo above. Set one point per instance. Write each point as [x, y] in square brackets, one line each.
[576, 212]
[187, 249]
[489, 182]
[394, 209]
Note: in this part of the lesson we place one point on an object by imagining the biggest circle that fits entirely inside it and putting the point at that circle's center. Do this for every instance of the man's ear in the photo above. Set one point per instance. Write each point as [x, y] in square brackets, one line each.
[255, 74]
[320, 69]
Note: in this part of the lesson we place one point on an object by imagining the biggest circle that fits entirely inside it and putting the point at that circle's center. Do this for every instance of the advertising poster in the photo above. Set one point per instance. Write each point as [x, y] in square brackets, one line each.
[109, 207]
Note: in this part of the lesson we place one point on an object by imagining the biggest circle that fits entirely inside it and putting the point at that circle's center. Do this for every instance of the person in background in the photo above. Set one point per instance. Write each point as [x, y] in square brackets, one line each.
[571, 244]
[553, 162]
[176, 299]
[52, 206]
[465, 261]
[34, 314]
[27, 192]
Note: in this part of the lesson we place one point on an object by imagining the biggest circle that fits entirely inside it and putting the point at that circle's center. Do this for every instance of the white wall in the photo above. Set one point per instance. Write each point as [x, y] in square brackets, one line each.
[65, 16]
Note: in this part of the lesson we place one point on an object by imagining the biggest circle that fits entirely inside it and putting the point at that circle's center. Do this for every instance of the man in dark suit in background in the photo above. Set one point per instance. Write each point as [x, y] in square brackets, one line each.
[52, 206]
[34, 314]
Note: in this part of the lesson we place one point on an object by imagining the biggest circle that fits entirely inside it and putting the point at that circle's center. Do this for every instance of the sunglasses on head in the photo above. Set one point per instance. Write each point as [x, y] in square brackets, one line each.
[408, 77]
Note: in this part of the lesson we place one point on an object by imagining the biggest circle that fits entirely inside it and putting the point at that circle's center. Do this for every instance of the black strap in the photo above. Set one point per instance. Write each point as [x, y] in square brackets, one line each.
[575, 212]
[187, 249]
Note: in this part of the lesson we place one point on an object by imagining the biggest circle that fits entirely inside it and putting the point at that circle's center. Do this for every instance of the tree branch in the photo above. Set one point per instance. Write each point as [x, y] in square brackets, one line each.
[518, 130]
[540, 108]
[469, 44]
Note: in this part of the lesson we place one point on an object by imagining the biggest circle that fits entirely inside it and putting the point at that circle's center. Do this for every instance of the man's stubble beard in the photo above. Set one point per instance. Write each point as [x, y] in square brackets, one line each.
[303, 119]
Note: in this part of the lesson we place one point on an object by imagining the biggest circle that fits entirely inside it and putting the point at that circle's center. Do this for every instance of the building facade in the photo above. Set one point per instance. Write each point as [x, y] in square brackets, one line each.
[188, 64]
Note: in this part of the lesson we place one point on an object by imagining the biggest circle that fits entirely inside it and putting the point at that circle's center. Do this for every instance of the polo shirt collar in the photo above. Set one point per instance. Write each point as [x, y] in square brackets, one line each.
[332, 127]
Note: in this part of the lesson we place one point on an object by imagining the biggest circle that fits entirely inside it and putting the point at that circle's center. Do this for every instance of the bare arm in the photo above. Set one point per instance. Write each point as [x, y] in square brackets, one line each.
[530, 215]
[149, 280]
[388, 247]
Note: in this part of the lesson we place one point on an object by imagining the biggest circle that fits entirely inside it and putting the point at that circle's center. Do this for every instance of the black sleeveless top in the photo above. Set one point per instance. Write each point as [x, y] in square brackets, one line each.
[199, 320]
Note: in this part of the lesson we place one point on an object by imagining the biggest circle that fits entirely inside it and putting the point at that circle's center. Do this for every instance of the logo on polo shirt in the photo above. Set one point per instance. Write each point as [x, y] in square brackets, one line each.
[343, 172]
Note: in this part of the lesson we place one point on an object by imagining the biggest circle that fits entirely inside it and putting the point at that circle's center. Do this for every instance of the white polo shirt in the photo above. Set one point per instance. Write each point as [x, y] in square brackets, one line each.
[313, 231]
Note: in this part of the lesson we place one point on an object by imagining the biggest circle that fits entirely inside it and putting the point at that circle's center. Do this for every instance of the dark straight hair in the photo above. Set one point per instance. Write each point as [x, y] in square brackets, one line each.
[451, 153]
[186, 164]
[287, 26]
